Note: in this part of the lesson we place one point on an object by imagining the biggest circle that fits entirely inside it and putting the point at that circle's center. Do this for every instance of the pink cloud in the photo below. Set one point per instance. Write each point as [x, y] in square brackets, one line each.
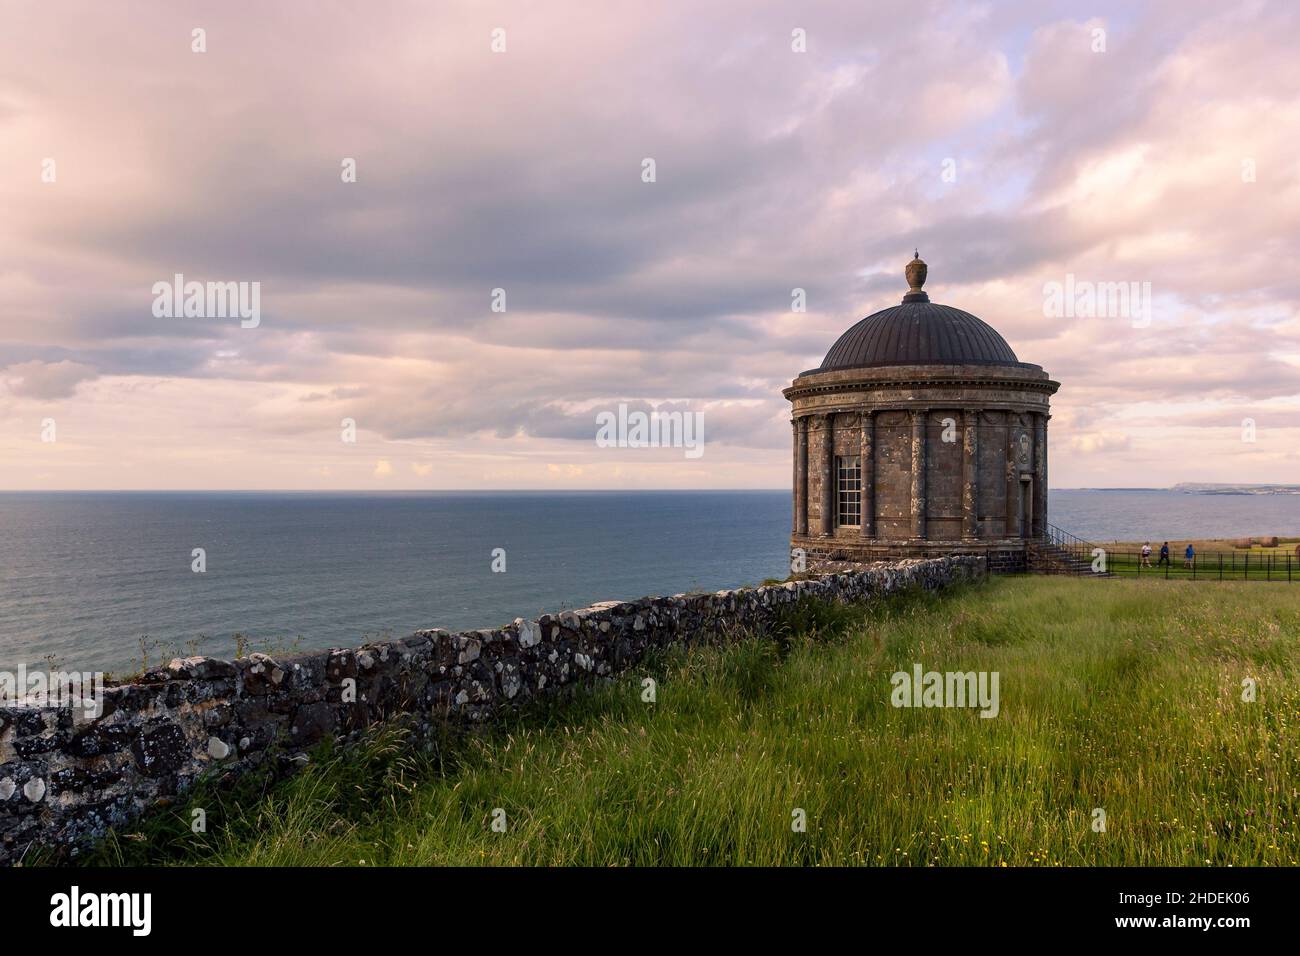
[1168, 159]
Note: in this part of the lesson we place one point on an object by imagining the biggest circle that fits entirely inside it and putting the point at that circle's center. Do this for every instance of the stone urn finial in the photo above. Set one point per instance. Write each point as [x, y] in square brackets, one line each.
[915, 273]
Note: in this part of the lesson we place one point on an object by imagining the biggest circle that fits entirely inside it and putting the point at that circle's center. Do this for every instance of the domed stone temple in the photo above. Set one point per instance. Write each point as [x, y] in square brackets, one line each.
[920, 434]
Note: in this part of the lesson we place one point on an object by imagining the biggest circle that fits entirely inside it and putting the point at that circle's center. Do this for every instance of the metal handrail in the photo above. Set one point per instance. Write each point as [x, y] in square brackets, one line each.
[1063, 539]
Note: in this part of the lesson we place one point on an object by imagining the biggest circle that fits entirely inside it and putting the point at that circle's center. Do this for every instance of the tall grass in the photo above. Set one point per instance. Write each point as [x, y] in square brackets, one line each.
[1122, 696]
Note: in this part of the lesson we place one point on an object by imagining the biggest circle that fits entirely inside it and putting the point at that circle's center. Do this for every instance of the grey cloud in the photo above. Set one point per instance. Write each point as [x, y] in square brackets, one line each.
[47, 380]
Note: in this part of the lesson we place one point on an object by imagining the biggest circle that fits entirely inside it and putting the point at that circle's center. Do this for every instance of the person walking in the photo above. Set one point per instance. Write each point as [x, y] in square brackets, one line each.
[1189, 556]
[1146, 555]
[1164, 555]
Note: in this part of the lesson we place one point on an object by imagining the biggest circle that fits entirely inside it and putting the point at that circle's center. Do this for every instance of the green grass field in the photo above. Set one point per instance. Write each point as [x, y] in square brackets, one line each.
[1115, 694]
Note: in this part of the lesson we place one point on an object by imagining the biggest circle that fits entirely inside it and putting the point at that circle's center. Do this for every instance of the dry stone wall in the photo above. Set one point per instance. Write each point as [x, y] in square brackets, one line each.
[66, 779]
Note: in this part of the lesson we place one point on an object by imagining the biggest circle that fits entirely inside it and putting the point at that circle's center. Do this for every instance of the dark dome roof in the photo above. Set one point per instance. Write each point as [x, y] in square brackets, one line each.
[919, 332]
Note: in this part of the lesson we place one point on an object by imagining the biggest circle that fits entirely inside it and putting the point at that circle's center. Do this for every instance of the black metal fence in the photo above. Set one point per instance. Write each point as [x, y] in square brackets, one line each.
[1272, 565]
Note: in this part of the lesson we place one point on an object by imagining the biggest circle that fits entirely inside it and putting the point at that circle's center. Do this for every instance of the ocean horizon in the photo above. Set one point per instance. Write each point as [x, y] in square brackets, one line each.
[86, 577]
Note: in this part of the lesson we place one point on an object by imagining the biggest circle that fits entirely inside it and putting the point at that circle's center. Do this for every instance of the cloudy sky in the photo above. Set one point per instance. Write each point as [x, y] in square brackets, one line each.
[1014, 143]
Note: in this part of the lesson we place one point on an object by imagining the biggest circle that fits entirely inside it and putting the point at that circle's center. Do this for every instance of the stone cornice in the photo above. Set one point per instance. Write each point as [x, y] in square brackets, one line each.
[1026, 377]
[936, 405]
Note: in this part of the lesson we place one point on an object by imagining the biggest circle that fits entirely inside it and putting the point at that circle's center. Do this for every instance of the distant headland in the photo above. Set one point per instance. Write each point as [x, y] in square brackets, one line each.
[1210, 488]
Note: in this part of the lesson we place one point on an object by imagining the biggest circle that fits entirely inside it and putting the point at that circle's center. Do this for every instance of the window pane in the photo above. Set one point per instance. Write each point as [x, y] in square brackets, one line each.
[848, 469]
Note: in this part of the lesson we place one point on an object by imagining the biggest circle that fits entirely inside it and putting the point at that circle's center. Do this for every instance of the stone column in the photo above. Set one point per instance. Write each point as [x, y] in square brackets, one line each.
[801, 478]
[970, 478]
[1028, 485]
[918, 474]
[794, 477]
[1040, 474]
[868, 475]
[828, 476]
[1013, 477]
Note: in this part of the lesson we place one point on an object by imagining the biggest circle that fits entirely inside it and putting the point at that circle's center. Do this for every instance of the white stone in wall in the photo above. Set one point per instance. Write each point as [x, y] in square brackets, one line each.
[529, 633]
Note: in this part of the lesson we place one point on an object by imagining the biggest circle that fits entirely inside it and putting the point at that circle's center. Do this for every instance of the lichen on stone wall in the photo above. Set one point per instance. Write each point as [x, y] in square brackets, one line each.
[66, 779]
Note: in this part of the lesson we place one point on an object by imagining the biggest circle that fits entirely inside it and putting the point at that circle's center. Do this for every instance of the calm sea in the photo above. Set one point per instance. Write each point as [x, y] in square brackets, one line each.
[85, 577]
